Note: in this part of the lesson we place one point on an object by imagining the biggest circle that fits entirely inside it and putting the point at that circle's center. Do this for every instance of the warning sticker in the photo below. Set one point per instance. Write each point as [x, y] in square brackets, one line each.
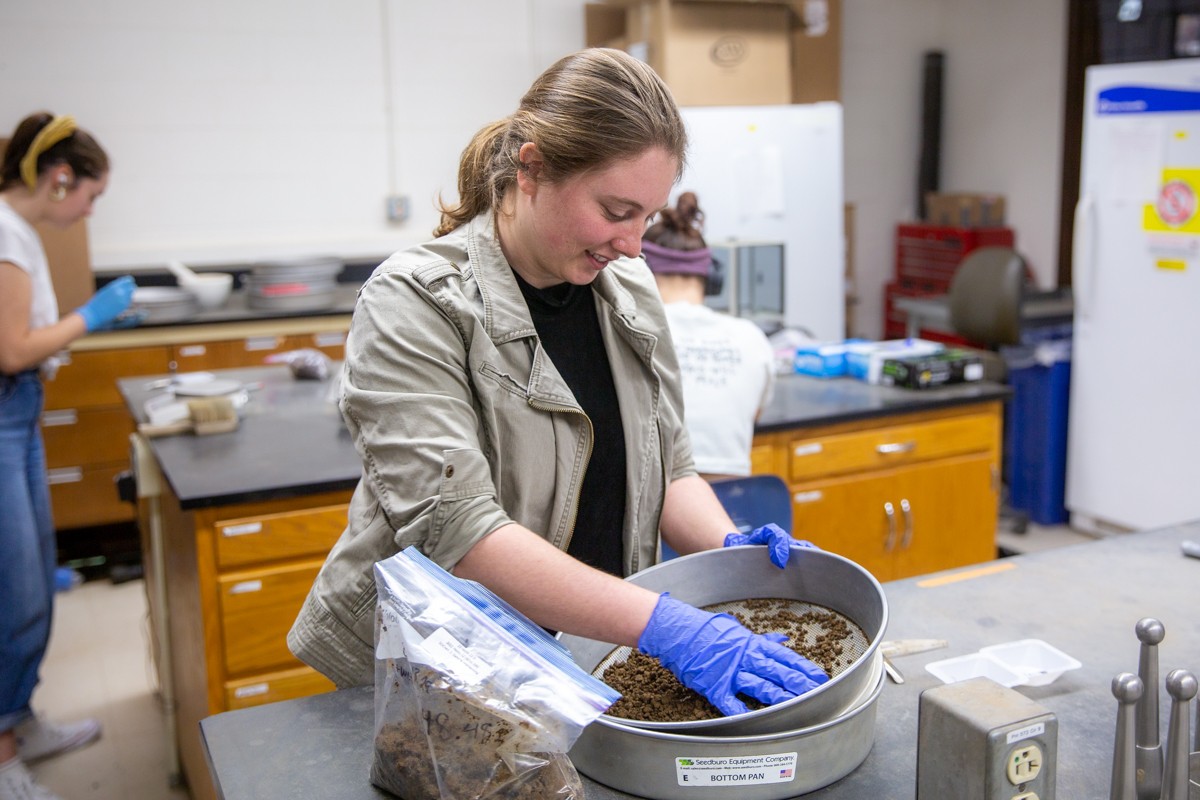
[706, 773]
[1175, 209]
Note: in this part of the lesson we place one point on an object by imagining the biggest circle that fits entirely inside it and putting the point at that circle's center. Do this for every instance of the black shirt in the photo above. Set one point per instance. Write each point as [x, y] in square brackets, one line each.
[566, 323]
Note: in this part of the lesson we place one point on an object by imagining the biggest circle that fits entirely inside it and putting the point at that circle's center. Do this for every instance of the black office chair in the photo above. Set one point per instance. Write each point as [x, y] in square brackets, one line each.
[751, 502]
[985, 298]
[755, 500]
[986, 295]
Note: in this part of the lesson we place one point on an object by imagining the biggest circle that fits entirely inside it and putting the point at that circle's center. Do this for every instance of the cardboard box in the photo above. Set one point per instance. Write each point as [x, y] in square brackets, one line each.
[922, 372]
[728, 52]
[965, 210]
[70, 261]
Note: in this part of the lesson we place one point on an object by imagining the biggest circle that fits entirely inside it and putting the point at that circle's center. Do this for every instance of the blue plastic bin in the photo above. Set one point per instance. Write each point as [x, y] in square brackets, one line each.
[1035, 429]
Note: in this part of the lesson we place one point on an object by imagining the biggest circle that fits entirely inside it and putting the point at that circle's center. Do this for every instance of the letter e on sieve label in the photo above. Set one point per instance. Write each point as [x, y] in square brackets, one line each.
[706, 773]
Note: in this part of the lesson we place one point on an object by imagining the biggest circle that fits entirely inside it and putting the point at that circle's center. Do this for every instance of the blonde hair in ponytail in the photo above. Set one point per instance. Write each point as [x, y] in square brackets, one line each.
[587, 110]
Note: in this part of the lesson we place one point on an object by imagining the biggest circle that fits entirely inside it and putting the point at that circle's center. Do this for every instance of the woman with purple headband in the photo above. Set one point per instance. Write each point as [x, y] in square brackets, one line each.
[725, 362]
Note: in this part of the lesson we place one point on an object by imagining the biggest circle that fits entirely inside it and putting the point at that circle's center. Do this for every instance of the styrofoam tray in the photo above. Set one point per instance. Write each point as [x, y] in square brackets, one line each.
[1038, 661]
[975, 665]
[1025, 662]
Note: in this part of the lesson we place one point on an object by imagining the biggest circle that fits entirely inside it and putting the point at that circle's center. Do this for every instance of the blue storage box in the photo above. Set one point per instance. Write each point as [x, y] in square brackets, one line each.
[822, 359]
[1035, 429]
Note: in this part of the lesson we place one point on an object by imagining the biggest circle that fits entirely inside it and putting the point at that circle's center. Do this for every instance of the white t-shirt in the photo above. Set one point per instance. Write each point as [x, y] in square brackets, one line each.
[728, 376]
[20, 244]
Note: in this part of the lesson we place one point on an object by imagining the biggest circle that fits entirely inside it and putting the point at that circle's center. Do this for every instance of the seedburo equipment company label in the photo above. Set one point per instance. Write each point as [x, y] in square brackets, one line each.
[707, 773]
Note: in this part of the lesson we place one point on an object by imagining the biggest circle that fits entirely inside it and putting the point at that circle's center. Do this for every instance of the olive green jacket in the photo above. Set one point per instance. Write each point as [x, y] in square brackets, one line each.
[464, 425]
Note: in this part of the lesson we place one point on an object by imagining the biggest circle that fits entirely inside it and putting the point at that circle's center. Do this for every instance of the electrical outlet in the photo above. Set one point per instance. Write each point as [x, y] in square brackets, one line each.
[1024, 764]
[978, 740]
[397, 207]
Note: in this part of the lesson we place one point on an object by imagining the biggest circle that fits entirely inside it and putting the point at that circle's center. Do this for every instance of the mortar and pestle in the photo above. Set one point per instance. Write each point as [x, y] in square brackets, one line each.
[211, 289]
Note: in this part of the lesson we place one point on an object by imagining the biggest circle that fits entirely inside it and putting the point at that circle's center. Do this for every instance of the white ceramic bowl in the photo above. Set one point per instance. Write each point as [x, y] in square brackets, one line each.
[211, 289]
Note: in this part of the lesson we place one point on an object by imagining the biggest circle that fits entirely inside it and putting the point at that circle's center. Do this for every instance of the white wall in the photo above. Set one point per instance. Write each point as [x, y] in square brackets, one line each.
[244, 129]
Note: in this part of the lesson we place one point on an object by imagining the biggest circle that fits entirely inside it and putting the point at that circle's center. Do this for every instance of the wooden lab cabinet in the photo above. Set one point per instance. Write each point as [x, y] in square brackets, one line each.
[232, 581]
[901, 495]
[86, 426]
[86, 430]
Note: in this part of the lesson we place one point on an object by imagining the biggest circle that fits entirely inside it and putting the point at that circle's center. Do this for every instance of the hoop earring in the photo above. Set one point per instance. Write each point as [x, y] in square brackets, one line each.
[59, 193]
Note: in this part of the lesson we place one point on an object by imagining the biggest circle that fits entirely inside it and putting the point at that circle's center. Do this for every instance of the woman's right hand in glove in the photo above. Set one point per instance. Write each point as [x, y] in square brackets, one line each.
[718, 657]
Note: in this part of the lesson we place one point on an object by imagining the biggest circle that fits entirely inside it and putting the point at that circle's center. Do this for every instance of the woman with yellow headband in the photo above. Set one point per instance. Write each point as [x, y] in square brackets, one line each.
[51, 173]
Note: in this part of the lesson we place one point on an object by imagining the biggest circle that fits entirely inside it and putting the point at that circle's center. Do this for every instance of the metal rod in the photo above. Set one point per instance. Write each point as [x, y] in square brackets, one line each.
[1149, 753]
[1181, 686]
[1127, 688]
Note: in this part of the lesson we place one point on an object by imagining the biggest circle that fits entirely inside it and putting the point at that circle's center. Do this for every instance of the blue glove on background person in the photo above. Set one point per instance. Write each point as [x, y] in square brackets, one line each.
[718, 657]
[776, 538]
[100, 312]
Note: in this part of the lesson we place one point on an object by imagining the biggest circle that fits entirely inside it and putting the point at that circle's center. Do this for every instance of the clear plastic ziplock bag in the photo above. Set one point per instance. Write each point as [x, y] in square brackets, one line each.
[473, 701]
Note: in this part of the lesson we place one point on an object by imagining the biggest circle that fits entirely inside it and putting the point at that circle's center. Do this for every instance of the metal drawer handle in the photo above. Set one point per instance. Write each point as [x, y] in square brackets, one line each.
[242, 530]
[64, 475]
[906, 510]
[890, 541]
[895, 447]
[67, 416]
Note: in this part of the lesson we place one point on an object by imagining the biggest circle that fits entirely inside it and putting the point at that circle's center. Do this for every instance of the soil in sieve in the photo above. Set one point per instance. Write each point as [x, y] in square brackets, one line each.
[651, 693]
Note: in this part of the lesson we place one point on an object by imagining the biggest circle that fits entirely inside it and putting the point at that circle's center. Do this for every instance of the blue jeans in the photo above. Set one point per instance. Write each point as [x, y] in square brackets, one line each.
[27, 546]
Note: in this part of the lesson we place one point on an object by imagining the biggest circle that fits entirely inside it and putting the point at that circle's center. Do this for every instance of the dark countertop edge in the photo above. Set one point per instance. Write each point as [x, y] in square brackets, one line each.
[923, 400]
[264, 494]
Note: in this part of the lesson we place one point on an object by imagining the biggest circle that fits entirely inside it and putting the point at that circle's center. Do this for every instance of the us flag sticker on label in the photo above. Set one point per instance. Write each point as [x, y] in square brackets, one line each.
[706, 773]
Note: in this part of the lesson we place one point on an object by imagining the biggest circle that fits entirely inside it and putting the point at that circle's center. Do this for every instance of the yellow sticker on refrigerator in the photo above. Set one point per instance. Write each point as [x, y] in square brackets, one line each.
[1174, 210]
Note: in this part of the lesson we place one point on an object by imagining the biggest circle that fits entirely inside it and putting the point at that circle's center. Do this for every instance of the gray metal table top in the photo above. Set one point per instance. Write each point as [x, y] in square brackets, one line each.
[291, 442]
[1084, 599]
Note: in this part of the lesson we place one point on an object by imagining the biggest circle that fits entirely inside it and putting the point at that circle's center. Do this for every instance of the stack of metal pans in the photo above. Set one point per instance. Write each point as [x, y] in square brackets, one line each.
[287, 286]
[775, 752]
[159, 305]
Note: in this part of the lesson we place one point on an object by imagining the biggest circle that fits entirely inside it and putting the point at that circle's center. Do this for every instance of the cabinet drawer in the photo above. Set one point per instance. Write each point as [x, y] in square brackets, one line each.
[273, 687]
[82, 496]
[269, 537]
[257, 610]
[89, 378]
[859, 451]
[85, 436]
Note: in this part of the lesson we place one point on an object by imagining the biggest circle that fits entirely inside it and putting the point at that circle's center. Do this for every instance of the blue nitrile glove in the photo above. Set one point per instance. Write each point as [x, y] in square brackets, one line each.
[774, 537]
[105, 305]
[718, 657]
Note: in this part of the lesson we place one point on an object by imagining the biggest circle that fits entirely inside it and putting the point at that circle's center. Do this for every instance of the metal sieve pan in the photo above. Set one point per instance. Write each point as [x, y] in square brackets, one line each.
[734, 575]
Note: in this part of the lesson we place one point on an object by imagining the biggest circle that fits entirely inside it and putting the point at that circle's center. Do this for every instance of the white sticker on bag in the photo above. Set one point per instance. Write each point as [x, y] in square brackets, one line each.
[707, 773]
[454, 658]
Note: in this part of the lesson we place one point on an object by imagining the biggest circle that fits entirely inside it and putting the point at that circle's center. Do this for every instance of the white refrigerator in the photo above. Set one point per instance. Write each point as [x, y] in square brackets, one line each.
[774, 174]
[1133, 455]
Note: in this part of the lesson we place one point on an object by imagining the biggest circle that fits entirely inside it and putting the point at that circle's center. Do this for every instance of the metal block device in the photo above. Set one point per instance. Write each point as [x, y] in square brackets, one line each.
[978, 740]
